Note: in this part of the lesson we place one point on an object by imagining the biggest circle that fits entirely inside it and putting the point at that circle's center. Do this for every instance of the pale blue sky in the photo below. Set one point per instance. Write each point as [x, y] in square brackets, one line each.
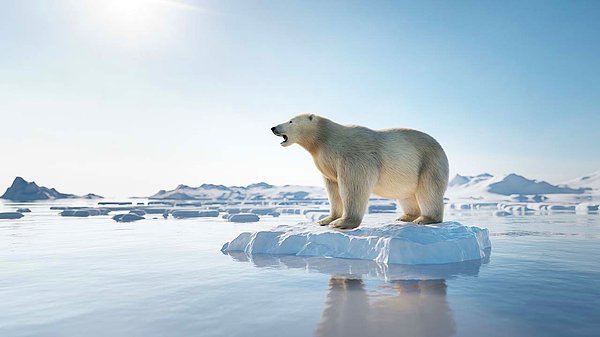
[125, 97]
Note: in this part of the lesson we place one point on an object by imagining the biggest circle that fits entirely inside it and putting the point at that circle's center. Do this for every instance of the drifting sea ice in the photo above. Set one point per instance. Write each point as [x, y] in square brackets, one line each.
[243, 217]
[411, 244]
[10, 215]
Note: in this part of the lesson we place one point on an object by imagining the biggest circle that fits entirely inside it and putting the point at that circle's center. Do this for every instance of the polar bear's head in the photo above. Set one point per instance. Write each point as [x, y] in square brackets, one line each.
[299, 129]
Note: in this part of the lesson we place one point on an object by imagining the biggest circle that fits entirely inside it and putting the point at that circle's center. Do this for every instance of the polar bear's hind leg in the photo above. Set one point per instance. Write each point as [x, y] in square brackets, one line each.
[430, 193]
[410, 207]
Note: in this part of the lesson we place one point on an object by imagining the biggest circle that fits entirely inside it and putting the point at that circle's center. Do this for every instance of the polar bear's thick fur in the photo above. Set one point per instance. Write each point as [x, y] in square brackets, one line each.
[403, 164]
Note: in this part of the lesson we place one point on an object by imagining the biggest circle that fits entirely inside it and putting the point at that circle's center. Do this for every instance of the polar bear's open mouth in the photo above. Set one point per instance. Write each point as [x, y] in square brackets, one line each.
[285, 138]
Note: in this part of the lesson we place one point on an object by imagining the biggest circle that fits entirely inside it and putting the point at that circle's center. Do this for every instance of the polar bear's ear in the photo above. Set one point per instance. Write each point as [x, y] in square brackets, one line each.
[310, 117]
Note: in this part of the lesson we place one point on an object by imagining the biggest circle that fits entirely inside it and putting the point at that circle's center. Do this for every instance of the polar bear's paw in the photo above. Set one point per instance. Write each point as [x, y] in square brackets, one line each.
[407, 218]
[424, 220]
[326, 221]
[345, 223]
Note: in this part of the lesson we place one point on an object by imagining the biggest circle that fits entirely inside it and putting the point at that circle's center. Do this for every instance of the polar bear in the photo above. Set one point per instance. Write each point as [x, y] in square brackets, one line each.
[402, 164]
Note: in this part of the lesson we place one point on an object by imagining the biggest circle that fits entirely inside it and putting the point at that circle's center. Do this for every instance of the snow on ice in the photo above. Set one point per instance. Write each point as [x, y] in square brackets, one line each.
[411, 244]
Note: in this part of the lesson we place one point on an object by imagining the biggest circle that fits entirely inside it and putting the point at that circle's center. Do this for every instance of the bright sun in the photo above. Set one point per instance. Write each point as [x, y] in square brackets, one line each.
[135, 18]
[130, 17]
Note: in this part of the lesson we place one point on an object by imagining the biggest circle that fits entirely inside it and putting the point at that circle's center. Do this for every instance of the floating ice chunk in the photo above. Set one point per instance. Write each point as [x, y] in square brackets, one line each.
[448, 242]
[75, 213]
[180, 214]
[502, 213]
[382, 208]
[484, 205]
[155, 210]
[84, 212]
[460, 206]
[139, 212]
[130, 217]
[234, 210]
[518, 209]
[93, 212]
[585, 207]
[11, 215]
[209, 214]
[561, 208]
[115, 203]
[243, 217]
[519, 197]
[262, 211]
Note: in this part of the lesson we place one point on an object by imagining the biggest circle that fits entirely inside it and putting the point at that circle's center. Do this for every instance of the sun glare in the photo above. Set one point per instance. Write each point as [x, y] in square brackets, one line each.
[135, 18]
[131, 17]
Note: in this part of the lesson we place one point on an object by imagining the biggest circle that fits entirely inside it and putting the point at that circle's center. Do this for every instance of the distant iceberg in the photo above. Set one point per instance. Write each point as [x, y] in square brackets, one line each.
[22, 190]
[448, 242]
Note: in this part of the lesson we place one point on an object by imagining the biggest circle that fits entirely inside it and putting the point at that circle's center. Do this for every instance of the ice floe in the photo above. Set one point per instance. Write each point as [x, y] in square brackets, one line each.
[182, 214]
[130, 217]
[382, 208]
[395, 243]
[585, 207]
[10, 215]
[243, 217]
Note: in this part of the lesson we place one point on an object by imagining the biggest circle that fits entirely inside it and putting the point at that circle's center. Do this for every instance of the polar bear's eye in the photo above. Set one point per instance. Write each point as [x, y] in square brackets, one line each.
[290, 122]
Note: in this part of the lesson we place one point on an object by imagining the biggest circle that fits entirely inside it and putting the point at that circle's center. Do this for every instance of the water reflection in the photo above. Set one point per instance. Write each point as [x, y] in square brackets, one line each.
[411, 300]
[400, 308]
[363, 268]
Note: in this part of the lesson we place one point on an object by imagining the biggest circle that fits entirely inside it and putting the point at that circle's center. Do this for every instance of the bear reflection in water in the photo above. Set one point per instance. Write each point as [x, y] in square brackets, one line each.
[410, 300]
[397, 308]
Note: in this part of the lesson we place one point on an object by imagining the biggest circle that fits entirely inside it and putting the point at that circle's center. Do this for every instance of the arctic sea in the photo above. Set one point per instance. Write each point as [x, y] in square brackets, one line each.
[95, 277]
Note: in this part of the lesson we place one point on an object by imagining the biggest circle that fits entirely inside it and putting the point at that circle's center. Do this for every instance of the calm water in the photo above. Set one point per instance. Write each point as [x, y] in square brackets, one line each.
[94, 277]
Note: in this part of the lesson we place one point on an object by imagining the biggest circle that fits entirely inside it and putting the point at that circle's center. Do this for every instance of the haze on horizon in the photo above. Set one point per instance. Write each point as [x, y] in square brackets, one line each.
[124, 98]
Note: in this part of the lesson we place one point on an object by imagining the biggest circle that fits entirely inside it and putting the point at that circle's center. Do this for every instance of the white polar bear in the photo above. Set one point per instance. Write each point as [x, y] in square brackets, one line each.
[403, 164]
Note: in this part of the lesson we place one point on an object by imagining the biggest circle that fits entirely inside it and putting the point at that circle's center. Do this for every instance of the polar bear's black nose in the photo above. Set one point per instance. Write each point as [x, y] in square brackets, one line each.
[273, 129]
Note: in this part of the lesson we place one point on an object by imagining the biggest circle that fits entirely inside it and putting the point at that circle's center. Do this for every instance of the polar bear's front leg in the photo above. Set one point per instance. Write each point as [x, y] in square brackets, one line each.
[335, 202]
[355, 188]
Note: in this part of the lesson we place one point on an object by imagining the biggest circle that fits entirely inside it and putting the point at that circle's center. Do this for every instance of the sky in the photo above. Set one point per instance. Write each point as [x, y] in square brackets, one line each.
[126, 97]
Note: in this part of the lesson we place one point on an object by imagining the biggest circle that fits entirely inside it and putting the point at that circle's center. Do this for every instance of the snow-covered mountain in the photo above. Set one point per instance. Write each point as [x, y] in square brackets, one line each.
[487, 186]
[22, 190]
[459, 180]
[482, 186]
[591, 181]
[259, 191]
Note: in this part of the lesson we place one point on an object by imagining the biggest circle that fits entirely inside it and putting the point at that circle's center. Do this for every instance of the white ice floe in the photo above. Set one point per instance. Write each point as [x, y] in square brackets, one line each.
[243, 217]
[448, 242]
[561, 208]
[131, 217]
[10, 215]
[501, 213]
[585, 207]
[182, 214]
